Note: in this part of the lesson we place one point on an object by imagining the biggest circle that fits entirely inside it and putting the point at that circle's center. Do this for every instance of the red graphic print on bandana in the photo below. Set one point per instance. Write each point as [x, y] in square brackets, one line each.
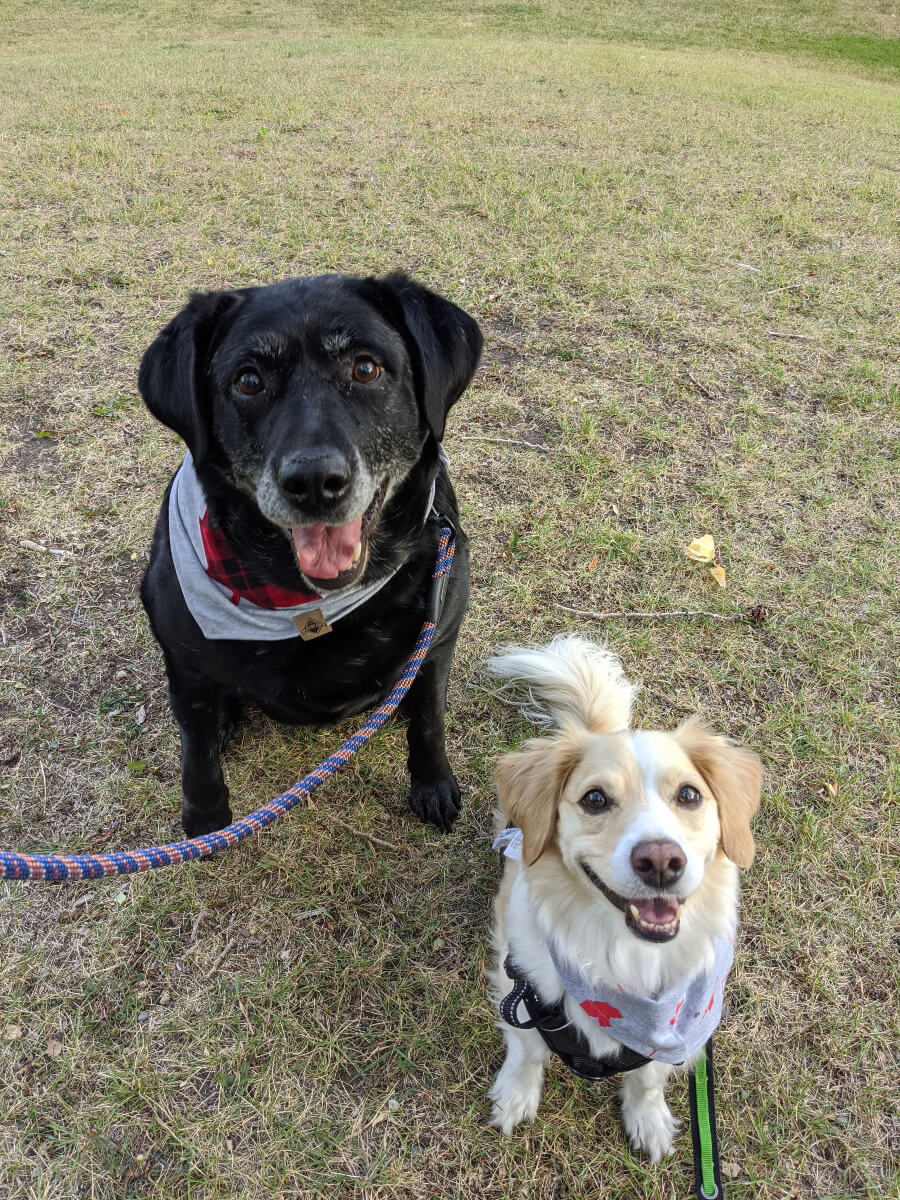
[677, 1011]
[223, 565]
[601, 1010]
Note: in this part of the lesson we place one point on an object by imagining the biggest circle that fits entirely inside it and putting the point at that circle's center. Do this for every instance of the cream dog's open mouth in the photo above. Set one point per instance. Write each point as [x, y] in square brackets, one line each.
[656, 919]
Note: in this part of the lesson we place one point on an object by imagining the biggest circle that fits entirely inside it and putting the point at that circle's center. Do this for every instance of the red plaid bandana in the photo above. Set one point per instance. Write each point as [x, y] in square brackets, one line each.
[223, 565]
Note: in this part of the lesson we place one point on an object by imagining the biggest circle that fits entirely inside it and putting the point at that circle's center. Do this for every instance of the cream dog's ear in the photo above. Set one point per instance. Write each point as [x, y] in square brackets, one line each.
[529, 784]
[734, 776]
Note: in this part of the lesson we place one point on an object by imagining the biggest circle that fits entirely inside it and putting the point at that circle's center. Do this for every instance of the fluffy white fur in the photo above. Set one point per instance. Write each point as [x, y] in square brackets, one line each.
[570, 679]
[580, 688]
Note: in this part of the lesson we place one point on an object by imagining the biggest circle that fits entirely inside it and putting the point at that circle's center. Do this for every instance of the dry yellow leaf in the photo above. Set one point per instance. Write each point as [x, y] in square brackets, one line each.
[702, 549]
[592, 565]
[831, 788]
[718, 574]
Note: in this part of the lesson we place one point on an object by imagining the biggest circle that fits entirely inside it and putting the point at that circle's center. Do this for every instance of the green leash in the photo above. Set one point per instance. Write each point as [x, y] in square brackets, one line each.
[707, 1177]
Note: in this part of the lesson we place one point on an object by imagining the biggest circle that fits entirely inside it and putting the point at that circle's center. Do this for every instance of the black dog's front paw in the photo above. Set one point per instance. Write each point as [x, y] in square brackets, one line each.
[436, 803]
[196, 822]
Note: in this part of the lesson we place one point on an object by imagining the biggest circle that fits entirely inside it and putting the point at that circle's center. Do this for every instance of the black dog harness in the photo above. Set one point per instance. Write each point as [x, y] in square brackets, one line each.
[561, 1036]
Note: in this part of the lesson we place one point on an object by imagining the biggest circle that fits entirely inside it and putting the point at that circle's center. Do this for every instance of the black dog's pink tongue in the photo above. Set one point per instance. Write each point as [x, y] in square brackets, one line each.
[661, 910]
[325, 551]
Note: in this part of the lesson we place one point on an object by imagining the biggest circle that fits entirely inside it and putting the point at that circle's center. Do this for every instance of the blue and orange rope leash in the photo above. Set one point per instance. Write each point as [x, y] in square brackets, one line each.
[59, 868]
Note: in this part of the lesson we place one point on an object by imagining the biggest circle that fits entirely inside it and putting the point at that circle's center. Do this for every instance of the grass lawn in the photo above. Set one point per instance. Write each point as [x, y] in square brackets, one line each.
[677, 225]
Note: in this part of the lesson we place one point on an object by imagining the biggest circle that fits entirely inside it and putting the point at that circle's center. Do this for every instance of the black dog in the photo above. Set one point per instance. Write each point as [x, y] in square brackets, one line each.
[292, 559]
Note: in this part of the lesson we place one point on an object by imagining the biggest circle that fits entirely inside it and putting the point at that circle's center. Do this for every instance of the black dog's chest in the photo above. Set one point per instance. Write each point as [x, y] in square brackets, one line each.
[324, 681]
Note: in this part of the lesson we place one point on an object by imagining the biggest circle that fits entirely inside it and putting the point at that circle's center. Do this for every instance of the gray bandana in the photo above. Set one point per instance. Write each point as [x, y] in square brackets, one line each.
[260, 613]
[670, 1027]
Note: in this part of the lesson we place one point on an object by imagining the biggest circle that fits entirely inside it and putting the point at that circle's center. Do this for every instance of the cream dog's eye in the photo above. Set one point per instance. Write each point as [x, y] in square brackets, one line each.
[689, 797]
[595, 801]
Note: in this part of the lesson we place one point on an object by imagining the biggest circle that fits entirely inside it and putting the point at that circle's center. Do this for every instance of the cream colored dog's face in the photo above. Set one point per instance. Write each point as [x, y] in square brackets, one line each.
[638, 816]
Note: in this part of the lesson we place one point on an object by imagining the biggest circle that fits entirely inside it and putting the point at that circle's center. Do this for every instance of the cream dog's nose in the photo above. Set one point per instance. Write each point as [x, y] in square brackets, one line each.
[659, 864]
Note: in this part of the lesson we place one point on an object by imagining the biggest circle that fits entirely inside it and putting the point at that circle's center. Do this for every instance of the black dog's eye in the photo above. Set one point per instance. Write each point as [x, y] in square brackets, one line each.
[248, 383]
[595, 801]
[365, 370]
[689, 797]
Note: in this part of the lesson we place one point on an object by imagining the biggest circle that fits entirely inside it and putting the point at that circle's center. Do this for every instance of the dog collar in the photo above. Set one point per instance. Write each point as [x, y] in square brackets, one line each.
[226, 598]
[670, 1027]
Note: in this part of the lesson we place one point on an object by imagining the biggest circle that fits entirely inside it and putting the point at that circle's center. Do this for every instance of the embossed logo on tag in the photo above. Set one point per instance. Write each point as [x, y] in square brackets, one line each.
[312, 625]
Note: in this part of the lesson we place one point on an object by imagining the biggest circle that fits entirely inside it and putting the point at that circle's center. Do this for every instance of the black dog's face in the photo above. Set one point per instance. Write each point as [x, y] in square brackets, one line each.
[315, 397]
[313, 402]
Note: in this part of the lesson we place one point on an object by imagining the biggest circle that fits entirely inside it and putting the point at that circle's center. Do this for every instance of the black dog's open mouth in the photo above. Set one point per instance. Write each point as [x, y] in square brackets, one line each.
[657, 919]
[334, 556]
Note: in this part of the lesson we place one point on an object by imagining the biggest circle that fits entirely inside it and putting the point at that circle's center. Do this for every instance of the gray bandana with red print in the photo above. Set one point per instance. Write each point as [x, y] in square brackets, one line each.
[670, 1027]
[225, 599]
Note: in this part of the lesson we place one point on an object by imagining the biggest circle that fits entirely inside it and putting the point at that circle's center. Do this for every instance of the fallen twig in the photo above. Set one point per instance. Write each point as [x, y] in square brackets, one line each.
[792, 337]
[476, 437]
[368, 837]
[229, 945]
[28, 544]
[704, 391]
[753, 616]
[309, 912]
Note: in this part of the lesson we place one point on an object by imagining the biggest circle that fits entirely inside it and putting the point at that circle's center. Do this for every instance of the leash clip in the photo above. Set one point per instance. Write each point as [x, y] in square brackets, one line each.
[436, 598]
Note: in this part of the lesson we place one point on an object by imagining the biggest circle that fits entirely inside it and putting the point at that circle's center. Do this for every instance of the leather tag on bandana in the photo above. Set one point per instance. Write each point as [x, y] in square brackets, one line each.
[312, 625]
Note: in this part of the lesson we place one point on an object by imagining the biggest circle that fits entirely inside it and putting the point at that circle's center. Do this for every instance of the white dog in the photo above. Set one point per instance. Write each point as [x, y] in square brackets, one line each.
[619, 900]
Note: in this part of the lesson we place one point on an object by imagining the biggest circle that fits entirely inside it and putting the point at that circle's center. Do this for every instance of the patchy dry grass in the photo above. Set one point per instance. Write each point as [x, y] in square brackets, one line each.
[859, 34]
[633, 226]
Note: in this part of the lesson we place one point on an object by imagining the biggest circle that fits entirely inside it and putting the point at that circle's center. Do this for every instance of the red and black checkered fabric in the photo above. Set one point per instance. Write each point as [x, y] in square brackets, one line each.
[223, 565]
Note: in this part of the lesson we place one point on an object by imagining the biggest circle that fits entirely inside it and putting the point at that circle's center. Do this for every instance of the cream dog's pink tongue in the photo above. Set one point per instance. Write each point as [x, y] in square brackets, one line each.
[661, 910]
[324, 551]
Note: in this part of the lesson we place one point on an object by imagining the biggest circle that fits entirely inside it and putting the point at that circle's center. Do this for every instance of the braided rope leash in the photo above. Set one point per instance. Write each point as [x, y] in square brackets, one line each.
[64, 867]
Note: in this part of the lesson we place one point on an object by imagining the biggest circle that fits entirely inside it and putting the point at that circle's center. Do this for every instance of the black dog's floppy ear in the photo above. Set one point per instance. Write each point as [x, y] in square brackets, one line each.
[171, 379]
[444, 342]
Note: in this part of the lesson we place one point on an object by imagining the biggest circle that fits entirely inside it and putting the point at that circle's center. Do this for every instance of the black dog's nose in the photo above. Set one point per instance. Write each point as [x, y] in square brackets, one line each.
[320, 477]
[659, 864]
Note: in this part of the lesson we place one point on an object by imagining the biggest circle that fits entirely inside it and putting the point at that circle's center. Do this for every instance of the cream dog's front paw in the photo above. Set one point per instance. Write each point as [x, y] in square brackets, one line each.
[650, 1126]
[516, 1095]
